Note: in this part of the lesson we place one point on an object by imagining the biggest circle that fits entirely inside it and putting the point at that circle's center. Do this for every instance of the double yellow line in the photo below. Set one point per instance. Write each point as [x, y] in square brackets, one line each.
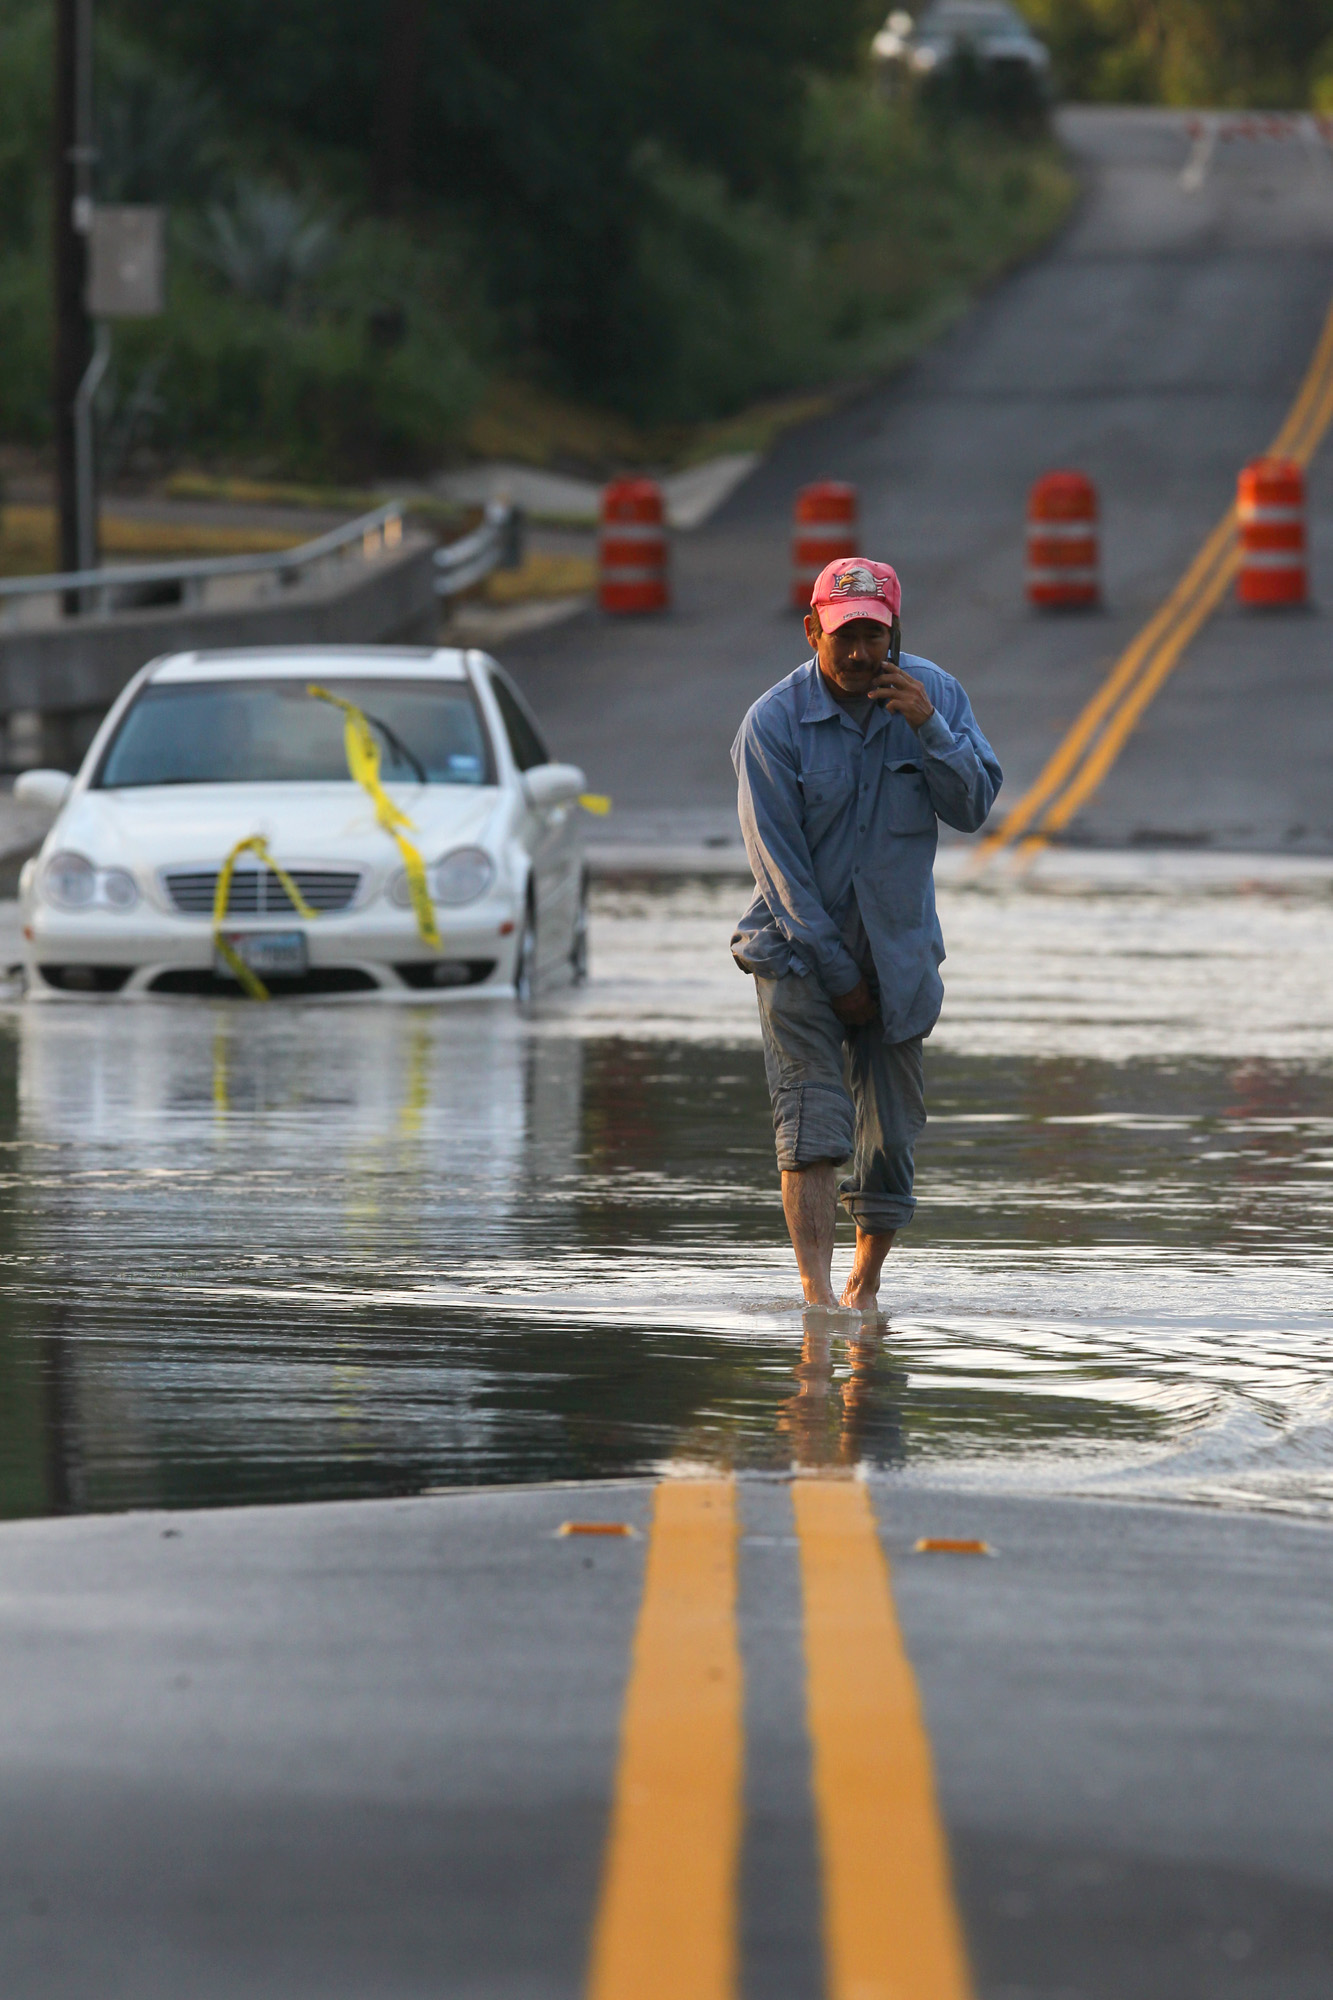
[668, 1920]
[1081, 762]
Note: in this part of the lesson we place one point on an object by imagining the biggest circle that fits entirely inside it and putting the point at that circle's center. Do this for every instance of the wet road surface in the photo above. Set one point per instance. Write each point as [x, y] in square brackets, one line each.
[282, 1254]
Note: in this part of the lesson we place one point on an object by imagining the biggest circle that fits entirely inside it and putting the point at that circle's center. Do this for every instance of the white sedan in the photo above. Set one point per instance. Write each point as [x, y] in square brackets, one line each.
[205, 750]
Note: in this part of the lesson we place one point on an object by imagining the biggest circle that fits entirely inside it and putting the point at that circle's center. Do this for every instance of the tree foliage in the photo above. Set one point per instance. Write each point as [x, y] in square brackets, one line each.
[1262, 53]
[533, 119]
[671, 208]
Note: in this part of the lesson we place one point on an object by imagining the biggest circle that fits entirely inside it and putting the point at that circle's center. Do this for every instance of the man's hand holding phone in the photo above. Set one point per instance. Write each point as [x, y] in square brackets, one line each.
[901, 694]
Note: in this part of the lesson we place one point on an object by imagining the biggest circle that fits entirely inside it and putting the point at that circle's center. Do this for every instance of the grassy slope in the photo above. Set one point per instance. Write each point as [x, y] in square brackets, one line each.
[927, 219]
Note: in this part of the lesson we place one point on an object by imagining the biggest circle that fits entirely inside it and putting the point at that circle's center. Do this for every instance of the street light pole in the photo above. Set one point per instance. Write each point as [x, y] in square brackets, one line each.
[72, 182]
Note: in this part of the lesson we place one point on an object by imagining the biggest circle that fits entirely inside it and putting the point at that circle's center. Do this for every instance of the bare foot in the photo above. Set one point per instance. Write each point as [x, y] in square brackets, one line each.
[861, 1292]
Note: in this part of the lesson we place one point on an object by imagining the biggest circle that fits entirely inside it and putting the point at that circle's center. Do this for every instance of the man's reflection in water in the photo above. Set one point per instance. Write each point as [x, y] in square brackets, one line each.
[859, 1418]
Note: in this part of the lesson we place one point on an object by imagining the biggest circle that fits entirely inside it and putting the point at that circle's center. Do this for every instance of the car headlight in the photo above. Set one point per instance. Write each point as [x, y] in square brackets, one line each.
[117, 888]
[460, 877]
[71, 882]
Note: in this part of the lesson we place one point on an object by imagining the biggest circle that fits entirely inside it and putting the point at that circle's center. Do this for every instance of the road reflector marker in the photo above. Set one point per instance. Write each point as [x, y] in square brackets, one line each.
[594, 1528]
[949, 1545]
[666, 1925]
[891, 1927]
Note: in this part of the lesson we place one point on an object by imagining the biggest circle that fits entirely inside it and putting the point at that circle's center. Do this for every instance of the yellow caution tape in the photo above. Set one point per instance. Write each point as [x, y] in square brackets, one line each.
[256, 844]
[595, 802]
[363, 762]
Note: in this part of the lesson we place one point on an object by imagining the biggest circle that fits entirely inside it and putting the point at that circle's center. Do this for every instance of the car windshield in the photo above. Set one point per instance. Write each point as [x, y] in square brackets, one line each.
[248, 732]
[965, 20]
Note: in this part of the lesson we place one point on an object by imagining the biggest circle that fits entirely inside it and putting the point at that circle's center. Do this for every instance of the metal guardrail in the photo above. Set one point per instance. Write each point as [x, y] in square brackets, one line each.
[382, 529]
[496, 544]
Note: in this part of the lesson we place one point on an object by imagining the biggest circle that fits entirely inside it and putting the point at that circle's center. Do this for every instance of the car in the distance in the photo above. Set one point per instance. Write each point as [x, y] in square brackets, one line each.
[996, 36]
[205, 749]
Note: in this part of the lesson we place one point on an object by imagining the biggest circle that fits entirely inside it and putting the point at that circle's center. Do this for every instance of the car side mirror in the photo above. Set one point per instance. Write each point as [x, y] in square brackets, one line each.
[43, 788]
[553, 784]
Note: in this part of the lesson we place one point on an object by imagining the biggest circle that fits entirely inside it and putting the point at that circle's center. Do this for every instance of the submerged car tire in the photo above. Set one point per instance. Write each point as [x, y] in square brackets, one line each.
[578, 948]
[525, 963]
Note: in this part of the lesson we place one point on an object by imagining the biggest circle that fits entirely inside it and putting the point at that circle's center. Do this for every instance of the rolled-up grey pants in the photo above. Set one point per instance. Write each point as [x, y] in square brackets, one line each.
[842, 1093]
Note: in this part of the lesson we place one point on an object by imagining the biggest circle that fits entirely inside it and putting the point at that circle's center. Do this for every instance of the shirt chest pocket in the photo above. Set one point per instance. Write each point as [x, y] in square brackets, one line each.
[906, 800]
[828, 793]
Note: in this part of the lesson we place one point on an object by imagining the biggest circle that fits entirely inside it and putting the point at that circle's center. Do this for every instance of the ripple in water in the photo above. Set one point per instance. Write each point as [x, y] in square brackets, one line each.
[288, 1253]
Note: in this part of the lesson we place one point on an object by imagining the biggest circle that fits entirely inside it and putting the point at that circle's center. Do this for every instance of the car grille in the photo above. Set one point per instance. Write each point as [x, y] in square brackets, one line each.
[257, 892]
[320, 979]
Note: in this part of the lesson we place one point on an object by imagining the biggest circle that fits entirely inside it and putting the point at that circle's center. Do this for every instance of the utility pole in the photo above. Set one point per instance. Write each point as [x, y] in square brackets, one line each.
[404, 35]
[72, 183]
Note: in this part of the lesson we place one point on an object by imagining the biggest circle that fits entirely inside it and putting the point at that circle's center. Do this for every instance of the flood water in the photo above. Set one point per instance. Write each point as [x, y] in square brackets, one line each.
[272, 1253]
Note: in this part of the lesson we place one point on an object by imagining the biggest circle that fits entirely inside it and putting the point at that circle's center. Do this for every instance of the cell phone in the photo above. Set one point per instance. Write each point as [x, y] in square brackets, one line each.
[895, 640]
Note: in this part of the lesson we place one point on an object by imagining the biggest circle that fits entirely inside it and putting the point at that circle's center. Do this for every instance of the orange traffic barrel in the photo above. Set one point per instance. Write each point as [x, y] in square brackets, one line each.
[1270, 508]
[823, 528]
[632, 547]
[1064, 562]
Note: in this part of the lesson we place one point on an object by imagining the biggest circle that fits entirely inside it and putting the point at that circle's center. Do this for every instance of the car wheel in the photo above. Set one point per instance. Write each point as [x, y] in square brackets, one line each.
[525, 964]
[578, 948]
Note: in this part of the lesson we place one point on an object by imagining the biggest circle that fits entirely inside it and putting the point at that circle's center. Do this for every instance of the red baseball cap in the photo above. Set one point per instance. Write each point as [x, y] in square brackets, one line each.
[855, 587]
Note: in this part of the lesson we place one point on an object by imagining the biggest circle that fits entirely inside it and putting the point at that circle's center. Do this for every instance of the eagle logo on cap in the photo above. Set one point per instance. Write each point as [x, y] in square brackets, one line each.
[855, 582]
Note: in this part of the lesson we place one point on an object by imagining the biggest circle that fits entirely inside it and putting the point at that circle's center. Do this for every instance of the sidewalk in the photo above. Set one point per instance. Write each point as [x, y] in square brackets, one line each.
[691, 496]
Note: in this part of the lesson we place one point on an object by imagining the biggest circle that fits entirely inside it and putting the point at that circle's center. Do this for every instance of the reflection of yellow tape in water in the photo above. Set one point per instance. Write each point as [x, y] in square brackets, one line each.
[595, 802]
[363, 762]
[256, 844]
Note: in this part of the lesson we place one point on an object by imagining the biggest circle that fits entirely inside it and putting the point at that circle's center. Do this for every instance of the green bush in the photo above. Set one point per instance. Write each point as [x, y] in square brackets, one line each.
[159, 133]
[1207, 52]
[25, 348]
[317, 395]
[736, 300]
[25, 118]
[724, 301]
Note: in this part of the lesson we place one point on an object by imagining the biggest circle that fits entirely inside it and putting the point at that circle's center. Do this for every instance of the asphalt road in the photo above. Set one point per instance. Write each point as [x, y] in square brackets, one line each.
[367, 1749]
[1157, 346]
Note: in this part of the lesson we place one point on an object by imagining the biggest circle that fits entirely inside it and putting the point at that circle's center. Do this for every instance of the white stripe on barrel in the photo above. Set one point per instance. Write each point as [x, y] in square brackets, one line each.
[1270, 511]
[632, 548]
[1063, 553]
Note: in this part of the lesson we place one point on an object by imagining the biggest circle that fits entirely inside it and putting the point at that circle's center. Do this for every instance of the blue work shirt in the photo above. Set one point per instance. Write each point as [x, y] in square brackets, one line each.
[829, 814]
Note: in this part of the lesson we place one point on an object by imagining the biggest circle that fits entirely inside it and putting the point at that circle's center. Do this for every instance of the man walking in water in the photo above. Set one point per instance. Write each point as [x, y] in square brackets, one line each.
[844, 769]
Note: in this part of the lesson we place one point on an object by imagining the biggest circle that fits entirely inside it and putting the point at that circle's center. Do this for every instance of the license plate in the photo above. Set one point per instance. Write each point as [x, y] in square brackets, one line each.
[277, 954]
